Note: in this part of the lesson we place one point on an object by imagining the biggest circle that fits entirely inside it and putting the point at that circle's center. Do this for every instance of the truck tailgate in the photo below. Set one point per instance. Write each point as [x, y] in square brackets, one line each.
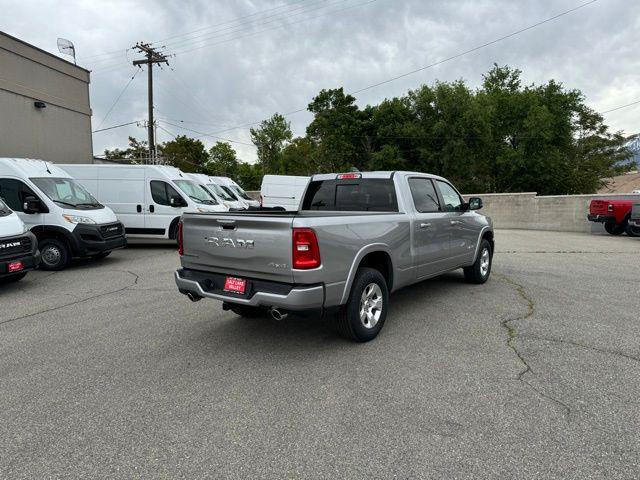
[243, 245]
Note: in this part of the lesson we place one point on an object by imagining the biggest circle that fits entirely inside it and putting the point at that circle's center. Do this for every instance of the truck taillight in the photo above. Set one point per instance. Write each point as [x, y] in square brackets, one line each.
[306, 253]
[610, 207]
[180, 244]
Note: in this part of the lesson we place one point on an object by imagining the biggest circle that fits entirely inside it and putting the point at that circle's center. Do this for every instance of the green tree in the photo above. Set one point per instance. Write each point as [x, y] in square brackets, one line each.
[136, 152]
[298, 158]
[223, 161]
[249, 176]
[270, 138]
[185, 153]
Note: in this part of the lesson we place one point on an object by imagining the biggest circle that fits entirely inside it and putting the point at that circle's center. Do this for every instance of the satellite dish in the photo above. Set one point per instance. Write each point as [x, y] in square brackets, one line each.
[66, 47]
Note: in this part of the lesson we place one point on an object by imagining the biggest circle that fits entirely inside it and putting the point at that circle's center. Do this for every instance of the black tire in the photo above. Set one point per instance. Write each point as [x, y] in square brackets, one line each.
[613, 228]
[101, 255]
[13, 278]
[353, 321]
[54, 254]
[633, 231]
[173, 231]
[481, 269]
[248, 312]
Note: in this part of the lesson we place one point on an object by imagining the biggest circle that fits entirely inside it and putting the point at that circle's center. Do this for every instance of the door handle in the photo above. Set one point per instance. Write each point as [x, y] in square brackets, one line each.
[455, 222]
[424, 225]
[151, 208]
[139, 208]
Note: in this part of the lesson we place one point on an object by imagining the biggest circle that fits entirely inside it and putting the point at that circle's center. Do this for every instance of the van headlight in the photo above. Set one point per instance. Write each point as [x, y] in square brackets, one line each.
[78, 219]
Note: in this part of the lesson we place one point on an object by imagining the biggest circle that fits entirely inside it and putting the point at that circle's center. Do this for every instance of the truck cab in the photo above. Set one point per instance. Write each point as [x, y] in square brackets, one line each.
[65, 218]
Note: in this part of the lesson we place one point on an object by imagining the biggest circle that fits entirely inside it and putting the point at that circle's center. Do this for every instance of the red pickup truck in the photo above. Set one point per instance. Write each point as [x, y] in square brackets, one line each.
[614, 214]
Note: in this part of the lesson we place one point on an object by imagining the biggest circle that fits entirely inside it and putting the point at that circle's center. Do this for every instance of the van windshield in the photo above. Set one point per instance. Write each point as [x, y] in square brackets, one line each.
[215, 188]
[195, 192]
[230, 192]
[240, 192]
[67, 192]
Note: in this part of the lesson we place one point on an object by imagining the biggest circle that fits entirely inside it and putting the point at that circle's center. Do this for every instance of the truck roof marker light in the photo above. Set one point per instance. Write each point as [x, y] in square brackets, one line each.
[348, 176]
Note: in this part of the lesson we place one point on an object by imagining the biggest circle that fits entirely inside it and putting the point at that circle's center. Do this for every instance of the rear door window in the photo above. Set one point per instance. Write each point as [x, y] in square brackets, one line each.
[361, 195]
[424, 195]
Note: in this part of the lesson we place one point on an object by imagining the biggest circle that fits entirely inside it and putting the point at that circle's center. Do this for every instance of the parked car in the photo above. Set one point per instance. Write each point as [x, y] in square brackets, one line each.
[614, 214]
[148, 199]
[217, 191]
[355, 238]
[633, 227]
[282, 191]
[18, 246]
[236, 191]
[65, 218]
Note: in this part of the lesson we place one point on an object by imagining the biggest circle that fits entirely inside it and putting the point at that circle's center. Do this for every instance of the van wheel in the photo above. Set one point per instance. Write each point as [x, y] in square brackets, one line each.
[613, 228]
[54, 254]
[362, 318]
[481, 269]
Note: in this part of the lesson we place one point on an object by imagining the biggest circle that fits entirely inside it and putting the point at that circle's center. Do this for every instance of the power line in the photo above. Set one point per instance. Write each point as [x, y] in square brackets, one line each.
[118, 98]
[621, 107]
[115, 126]
[466, 52]
[210, 135]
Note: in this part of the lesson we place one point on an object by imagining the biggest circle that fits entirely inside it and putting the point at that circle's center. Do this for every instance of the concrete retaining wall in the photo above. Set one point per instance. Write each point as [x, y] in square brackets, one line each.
[565, 213]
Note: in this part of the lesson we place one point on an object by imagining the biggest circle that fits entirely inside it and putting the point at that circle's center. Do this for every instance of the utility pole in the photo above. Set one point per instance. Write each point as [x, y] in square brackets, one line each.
[152, 56]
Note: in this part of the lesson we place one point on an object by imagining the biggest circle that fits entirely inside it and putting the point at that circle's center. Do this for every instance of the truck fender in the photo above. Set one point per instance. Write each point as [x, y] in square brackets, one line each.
[482, 232]
[374, 247]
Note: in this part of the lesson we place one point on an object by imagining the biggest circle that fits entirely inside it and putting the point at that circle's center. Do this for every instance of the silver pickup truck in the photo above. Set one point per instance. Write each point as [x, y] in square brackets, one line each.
[355, 238]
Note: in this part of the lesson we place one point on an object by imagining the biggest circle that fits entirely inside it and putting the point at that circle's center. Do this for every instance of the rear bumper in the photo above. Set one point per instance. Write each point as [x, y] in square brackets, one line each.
[601, 218]
[259, 293]
[30, 259]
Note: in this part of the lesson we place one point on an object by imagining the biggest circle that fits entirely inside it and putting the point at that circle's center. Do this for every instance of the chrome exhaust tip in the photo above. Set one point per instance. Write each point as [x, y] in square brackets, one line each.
[277, 315]
[193, 298]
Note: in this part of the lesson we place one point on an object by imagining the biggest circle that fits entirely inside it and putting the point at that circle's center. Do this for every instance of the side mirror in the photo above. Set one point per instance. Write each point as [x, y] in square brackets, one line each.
[475, 203]
[176, 201]
[31, 204]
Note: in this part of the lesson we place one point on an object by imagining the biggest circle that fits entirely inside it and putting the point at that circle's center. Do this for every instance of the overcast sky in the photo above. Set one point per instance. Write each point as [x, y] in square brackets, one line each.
[239, 61]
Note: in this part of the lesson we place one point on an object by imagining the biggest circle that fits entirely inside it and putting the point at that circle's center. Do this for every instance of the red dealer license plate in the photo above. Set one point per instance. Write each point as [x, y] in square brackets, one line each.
[15, 267]
[235, 285]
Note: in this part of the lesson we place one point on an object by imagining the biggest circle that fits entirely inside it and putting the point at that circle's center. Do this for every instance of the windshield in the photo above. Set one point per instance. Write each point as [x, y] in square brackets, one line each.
[67, 192]
[196, 192]
[241, 192]
[230, 192]
[215, 188]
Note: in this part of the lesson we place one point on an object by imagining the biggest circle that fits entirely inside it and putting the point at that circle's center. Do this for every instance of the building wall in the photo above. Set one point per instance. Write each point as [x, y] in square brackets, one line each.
[61, 132]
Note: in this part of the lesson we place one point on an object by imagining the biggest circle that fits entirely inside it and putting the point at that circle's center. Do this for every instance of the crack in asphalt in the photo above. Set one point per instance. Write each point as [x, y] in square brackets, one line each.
[136, 277]
[512, 334]
[569, 251]
[582, 345]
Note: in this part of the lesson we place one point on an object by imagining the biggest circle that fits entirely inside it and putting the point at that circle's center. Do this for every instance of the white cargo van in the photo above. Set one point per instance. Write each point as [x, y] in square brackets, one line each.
[216, 190]
[65, 218]
[236, 191]
[148, 199]
[283, 191]
[18, 246]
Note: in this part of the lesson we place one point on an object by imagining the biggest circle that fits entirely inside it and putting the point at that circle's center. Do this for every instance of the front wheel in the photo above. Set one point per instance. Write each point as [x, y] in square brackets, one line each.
[481, 269]
[362, 318]
[613, 228]
[54, 254]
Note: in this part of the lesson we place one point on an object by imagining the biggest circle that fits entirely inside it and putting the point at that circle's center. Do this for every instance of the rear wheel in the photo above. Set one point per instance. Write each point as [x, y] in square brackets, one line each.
[481, 269]
[54, 254]
[362, 318]
[633, 231]
[613, 228]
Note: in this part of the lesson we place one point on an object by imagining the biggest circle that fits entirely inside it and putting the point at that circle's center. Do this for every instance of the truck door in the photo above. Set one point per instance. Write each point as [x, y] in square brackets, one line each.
[463, 232]
[430, 229]
[159, 211]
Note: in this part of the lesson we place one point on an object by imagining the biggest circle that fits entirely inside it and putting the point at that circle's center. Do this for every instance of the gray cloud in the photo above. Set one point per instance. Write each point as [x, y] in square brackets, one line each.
[233, 81]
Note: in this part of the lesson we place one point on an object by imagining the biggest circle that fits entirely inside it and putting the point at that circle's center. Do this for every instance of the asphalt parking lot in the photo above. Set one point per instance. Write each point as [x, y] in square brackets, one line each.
[107, 372]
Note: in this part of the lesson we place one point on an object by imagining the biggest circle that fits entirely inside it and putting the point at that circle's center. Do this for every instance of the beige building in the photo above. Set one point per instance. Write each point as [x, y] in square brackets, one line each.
[44, 105]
